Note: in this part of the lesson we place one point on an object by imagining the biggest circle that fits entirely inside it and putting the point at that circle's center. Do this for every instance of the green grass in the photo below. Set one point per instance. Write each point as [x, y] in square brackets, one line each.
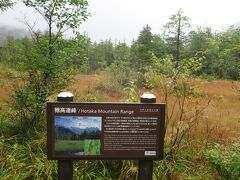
[93, 146]
[68, 145]
[25, 161]
[90, 146]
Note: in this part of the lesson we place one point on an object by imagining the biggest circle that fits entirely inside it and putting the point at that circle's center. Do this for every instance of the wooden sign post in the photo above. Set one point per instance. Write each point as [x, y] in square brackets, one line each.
[145, 171]
[105, 131]
[65, 167]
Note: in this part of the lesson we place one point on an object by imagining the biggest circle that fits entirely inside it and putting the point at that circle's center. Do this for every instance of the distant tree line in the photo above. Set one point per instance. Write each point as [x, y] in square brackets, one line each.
[66, 135]
[220, 51]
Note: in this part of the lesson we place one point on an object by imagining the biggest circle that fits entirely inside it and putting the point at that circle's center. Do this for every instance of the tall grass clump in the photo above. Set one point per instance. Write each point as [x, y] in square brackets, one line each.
[25, 160]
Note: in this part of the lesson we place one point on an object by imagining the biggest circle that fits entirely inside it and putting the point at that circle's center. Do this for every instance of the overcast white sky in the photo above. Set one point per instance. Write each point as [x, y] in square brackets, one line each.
[123, 19]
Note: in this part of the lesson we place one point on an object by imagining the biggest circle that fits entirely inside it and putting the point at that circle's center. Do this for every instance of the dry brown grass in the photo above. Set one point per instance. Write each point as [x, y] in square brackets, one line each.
[224, 112]
[220, 120]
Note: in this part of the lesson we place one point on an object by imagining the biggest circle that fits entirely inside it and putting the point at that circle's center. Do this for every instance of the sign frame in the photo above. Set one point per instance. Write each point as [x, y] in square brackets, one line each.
[51, 131]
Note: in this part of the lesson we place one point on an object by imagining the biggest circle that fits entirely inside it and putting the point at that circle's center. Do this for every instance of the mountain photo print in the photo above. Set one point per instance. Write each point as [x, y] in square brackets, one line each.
[77, 135]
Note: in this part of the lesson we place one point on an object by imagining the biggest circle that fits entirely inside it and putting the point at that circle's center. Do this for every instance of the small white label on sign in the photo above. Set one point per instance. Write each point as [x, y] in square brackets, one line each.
[150, 153]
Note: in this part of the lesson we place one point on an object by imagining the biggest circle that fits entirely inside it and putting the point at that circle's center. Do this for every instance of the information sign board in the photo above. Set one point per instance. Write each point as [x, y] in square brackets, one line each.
[105, 131]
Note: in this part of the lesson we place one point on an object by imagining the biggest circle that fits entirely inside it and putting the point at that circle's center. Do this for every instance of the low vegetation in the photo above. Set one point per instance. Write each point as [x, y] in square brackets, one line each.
[197, 156]
[225, 160]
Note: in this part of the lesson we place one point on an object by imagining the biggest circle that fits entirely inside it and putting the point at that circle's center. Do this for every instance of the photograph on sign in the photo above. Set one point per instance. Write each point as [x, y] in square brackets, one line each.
[77, 135]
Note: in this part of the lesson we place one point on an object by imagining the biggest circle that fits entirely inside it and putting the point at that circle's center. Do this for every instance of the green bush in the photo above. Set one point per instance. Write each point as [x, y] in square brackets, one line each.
[122, 72]
[225, 160]
[109, 87]
[149, 79]
[91, 96]
[187, 87]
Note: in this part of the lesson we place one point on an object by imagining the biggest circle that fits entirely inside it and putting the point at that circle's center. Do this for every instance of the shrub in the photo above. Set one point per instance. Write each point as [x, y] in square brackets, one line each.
[121, 72]
[109, 87]
[225, 160]
[91, 96]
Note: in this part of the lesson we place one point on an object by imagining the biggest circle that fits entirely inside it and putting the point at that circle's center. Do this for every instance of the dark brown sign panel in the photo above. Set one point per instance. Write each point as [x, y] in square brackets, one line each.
[105, 131]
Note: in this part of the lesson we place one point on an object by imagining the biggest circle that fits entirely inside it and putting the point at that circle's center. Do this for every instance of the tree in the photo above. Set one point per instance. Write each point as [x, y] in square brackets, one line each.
[199, 40]
[158, 46]
[203, 43]
[142, 49]
[175, 33]
[145, 36]
[75, 52]
[43, 63]
[5, 4]
[108, 50]
[93, 57]
[64, 15]
[229, 52]
[101, 55]
[121, 52]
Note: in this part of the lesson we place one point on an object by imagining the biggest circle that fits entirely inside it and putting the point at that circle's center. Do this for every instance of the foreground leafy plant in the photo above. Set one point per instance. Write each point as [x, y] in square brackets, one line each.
[225, 160]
